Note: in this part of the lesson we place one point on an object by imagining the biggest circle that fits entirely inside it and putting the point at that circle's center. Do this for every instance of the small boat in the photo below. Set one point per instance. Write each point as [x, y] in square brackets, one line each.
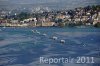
[62, 41]
[38, 32]
[54, 38]
[33, 31]
[44, 34]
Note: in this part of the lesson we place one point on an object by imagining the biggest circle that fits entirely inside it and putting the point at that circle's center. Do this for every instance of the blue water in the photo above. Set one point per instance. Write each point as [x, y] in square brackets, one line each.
[22, 47]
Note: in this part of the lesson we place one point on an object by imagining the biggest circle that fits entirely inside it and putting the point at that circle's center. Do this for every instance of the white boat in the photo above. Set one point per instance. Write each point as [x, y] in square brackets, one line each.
[44, 34]
[32, 30]
[62, 41]
[38, 32]
[54, 38]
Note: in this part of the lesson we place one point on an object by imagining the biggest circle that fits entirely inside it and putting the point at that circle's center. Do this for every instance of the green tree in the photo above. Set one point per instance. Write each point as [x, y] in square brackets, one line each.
[23, 15]
[97, 24]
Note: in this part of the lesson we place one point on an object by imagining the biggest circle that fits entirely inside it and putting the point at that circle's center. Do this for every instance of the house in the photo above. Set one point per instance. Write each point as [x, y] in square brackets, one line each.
[47, 23]
[95, 21]
[60, 16]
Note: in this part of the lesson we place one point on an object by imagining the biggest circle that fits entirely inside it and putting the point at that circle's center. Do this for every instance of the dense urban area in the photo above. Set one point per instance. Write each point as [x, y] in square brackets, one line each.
[81, 16]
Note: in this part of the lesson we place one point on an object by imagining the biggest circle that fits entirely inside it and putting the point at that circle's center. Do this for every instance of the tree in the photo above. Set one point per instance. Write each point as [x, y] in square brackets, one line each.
[97, 24]
[23, 15]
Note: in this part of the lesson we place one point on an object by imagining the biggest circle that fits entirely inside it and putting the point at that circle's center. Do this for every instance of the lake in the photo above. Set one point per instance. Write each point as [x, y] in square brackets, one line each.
[24, 47]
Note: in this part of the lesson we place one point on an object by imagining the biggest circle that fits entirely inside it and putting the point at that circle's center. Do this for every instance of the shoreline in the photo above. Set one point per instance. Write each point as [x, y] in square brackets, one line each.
[80, 26]
[48, 26]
